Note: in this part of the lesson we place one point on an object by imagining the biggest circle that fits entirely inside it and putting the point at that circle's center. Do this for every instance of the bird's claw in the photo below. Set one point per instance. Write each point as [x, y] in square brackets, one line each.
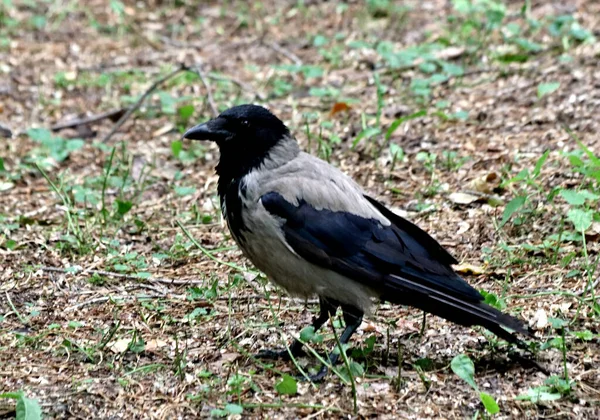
[317, 377]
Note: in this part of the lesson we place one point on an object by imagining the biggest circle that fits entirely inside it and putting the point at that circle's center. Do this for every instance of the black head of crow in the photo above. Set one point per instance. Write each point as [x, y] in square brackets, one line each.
[313, 231]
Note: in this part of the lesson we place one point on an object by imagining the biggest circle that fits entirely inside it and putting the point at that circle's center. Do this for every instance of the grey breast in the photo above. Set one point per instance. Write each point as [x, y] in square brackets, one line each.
[307, 178]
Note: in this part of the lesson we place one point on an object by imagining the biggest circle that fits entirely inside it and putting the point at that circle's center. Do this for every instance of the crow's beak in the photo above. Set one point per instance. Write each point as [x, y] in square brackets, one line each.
[213, 130]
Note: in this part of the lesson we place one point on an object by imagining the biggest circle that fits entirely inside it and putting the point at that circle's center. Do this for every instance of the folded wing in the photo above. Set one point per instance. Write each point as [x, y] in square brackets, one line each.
[400, 261]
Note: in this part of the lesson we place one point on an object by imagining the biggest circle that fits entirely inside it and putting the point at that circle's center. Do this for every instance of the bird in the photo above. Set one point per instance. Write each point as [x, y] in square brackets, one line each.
[312, 230]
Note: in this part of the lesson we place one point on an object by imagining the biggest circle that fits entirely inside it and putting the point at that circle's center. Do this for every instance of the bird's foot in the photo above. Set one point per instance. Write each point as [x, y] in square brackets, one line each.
[317, 377]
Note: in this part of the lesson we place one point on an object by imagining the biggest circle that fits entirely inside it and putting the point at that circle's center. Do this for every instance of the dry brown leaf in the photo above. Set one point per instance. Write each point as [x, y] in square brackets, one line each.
[229, 357]
[120, 346]
[462, 198]
[467, 268]
[539, 320]
[154, 344]
[5, 186]
[449, 53]
[339, 107]
[163, 130]
[486, 184]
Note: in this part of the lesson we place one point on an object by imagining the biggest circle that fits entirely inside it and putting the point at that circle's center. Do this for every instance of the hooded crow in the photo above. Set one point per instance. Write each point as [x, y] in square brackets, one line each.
[313, 231]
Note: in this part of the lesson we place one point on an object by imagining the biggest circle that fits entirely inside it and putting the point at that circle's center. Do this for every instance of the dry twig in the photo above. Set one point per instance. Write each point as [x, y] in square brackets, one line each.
[139, 102]
[283, 51]
[113, 114]
[120, 275]
[197, 69]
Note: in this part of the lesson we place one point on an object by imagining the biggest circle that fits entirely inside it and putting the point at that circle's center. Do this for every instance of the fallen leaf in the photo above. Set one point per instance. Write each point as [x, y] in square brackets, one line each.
[539, 320]
[163, 130]
[462, 228]
[339, 107]
[120, 346]
[467, 268]
[449, 53]
[229, 357]
[154, 344]
[5, 186]
[591, 235]
[486, 184]
[462, 198]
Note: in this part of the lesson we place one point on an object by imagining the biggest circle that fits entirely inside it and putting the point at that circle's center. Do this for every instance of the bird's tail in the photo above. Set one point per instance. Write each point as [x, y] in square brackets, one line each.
[459, 310]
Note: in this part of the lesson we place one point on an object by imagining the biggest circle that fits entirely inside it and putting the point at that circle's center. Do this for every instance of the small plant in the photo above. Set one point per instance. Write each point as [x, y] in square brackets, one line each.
[27, 408]
[463, 367]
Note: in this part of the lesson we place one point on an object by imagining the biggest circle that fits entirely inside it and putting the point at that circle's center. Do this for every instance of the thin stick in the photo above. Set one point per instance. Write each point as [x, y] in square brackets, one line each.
[16, 311]
[238, 83]
[205, 251]
[107, 298]
[197, 69]
[139, 102]
[89, 120]
[286, 53]
[76, 270]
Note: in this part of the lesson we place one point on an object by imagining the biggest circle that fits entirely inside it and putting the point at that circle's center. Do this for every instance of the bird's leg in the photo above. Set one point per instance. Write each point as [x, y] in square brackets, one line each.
[352, 318]
[327, 307]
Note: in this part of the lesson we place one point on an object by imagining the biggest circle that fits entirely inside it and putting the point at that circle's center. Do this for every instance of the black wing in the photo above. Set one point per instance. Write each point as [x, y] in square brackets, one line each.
[401, 261]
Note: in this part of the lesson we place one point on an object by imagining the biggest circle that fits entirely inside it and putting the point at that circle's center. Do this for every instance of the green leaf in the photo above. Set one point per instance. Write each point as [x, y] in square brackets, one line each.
[27, 408]
[540, 163]
[540, 393]
[463, 367]
[40, 135]
[123, 207]
[513, 58]
[367, 133]
[74, 144]
[584, 335]
[181, 191]
[572, 197]
[287, 386]
[307, 334]
[186, 111]
[2, 168]
[176, 147]
[320, 41]
[121, 267]
[581, 219]
[512, 207]
[397, 123]
[557, 322]
[547, 88]
[490, 404]
[396, 151]
[234, 408]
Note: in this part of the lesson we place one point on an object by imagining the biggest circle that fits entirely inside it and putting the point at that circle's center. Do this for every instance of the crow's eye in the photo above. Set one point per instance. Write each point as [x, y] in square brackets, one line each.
[246, 123]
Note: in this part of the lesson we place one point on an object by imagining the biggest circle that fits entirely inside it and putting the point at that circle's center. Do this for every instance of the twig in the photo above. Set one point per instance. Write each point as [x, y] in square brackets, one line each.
[182, 44]
[286, 53]
[139, 102]
[16, 311]
[238, 83]
[78, 270]
[205, 251]
[197, 69]
[589, 287]
[107, 298]
[113, 114]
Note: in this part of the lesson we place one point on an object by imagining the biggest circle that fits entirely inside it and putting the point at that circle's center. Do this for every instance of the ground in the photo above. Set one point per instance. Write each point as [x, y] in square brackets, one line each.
[123, 294]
